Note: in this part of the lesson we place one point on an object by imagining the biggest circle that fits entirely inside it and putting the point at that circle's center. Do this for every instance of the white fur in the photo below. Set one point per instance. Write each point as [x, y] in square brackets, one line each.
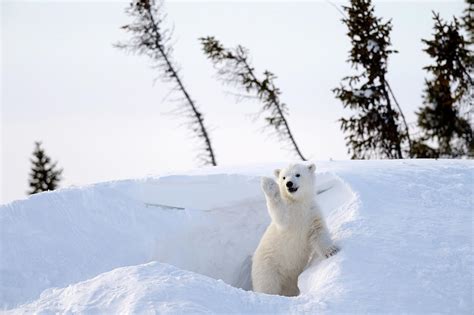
[296, 234]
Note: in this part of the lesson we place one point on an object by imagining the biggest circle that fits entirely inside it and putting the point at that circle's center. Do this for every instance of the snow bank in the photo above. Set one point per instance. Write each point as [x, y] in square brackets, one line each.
[405, 228]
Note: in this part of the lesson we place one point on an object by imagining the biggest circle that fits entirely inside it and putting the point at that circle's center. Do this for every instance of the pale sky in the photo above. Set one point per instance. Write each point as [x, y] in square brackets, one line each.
[99, 113]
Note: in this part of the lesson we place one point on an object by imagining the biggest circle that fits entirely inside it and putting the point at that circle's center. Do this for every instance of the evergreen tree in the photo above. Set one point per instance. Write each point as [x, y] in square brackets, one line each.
[44, 175]
[444, 132]
[378, 128]
[234, 68]
[151, 39]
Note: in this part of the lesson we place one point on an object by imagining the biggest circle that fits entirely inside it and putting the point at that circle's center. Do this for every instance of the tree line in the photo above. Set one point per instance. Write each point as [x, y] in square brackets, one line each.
[377, 127]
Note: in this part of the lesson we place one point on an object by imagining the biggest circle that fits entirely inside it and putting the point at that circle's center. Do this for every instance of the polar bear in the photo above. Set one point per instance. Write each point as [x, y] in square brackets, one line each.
[296, 235]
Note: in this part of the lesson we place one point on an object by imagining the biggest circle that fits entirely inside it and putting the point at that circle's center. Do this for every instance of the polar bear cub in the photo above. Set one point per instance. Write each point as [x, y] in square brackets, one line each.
[296, 234]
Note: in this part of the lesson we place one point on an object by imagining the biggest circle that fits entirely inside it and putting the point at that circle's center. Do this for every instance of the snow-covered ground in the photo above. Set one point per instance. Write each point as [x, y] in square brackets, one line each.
[405, 229]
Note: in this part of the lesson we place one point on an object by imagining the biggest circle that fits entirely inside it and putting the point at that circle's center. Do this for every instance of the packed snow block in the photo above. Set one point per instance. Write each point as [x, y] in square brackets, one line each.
[404, 227]
[193, 192]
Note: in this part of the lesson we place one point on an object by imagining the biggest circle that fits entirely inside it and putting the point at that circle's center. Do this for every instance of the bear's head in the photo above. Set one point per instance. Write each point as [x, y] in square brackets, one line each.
[296, 181]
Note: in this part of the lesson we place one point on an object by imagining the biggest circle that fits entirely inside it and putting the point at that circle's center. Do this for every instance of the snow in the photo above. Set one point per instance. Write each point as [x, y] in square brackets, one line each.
[405, 229]
[366, 93]
[373, 46]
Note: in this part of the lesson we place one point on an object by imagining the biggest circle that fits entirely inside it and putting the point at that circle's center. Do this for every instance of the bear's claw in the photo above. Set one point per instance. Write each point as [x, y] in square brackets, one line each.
[331, 251]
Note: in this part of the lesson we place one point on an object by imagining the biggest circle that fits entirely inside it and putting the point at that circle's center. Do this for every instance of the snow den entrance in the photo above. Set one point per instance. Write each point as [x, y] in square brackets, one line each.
[207, 224]
[212, 224]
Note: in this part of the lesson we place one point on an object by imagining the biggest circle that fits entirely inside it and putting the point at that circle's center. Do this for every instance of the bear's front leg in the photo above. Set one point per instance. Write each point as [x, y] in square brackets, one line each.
[275, 204]
[320, 239]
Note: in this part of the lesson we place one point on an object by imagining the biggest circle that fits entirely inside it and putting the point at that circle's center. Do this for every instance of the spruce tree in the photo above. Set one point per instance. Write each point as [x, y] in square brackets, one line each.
[150, 38]
[234, 68]
[444, 130]
[44, 174]
[377, 129]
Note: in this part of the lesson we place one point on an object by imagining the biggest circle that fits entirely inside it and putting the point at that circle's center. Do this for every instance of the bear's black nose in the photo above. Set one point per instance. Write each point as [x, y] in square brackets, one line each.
[289, 184]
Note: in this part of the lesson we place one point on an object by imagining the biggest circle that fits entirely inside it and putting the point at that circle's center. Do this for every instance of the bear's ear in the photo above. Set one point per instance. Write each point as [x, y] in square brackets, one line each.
[312, 167]
[277, 173]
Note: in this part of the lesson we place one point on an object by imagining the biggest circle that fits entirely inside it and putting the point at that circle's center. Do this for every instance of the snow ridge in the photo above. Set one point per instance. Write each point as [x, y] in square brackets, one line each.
[405, 229]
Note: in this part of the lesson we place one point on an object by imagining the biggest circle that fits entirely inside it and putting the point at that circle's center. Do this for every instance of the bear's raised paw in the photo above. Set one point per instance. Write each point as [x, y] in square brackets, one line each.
[270, 187]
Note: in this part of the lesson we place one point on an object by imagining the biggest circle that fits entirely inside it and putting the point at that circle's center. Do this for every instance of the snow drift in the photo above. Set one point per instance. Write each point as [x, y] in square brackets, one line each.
[182, 243]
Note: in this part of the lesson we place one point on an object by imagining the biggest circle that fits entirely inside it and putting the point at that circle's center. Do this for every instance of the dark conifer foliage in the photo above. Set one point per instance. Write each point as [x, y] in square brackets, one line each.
[234, 68]
[44, 174]
[377, 129]
[150, 38]
[444, 132]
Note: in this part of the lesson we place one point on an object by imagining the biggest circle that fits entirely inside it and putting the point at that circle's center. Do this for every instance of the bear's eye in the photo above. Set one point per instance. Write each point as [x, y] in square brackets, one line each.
[297, 175]
[284, 177]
